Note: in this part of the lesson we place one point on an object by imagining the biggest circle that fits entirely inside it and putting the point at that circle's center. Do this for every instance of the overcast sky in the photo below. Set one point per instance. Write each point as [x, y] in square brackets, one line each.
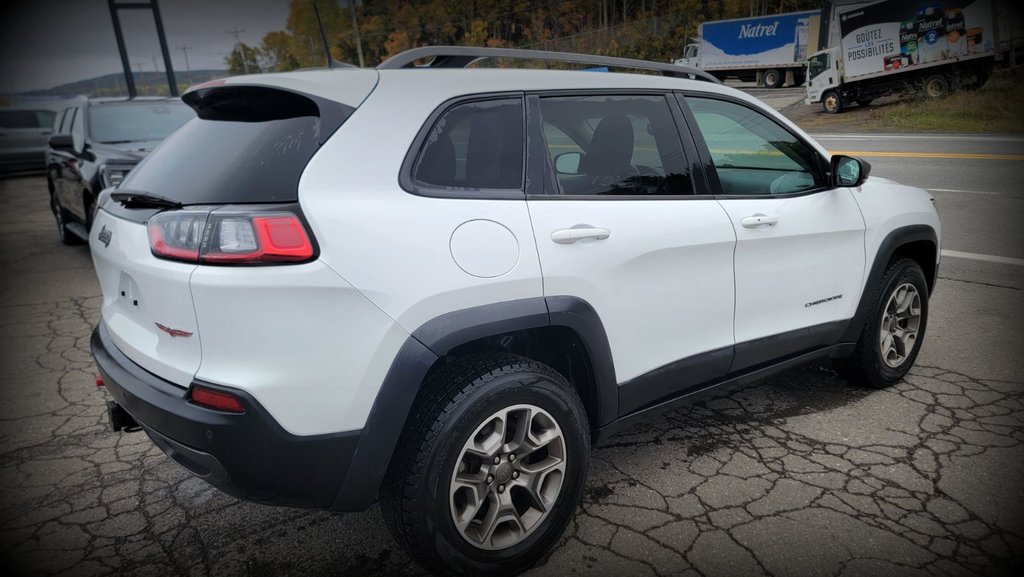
[45, 43]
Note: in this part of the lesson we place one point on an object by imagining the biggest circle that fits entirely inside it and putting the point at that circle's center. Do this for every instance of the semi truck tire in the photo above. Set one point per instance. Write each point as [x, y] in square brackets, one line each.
[773, 78]
[831, 102]
[936, 86]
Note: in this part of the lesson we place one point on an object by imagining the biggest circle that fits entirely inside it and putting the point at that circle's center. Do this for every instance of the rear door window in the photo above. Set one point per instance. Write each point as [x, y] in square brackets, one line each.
[614, 146]
[474, 146]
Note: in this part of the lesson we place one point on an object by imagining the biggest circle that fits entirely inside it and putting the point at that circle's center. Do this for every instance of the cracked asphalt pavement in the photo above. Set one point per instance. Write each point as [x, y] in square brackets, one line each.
[799, 474]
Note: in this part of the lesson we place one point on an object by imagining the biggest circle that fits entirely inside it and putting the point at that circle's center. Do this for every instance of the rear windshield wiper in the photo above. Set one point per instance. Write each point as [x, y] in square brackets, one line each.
[143, 200]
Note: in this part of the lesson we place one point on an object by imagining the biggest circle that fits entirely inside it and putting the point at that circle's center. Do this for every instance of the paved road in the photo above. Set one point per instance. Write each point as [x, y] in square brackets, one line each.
[796, 475]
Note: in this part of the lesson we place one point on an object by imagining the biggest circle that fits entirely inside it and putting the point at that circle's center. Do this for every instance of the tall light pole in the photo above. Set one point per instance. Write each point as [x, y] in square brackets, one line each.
[184, 50]
[241, 49]
[355, 26]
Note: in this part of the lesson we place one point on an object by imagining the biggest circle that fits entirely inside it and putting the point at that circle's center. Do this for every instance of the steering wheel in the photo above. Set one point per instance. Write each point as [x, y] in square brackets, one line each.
[646, 172]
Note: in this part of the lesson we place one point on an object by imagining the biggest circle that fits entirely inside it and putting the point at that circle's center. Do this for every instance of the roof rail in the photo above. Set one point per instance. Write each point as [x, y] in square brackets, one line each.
[462, 56]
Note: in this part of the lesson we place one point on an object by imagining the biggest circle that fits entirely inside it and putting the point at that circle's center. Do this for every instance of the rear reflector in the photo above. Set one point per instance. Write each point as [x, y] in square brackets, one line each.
[230, 237]
[218, 400]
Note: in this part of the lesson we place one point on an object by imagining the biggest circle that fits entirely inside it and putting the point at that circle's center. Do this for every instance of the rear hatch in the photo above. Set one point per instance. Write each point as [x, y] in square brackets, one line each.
[220, 191]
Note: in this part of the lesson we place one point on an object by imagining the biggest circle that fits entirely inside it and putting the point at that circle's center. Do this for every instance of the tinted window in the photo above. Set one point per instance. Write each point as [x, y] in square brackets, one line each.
[118, 123]
[19, 119]
[241, 151]
[752, 154]
[475, 145]
[614, 145]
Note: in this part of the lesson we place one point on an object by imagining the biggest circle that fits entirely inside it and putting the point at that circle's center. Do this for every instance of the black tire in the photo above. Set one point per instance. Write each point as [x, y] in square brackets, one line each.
[866, 366]
[455, 401]
[773, 78]
[65, 236]
[865, 101]
[936, 86]
[831, 102]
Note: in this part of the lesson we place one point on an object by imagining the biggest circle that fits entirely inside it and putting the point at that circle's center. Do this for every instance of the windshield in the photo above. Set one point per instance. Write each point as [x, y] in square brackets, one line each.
[817, 64]
[117, 123]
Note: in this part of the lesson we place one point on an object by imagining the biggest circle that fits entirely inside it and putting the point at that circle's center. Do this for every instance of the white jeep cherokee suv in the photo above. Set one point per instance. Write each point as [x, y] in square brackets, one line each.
[440, 286]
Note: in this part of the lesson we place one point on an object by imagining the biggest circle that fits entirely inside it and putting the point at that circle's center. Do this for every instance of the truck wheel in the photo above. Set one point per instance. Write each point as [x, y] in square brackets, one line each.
[773, 78]
[936, 86]
[490, 467]
[865, 101]
[831, 102]
[894, 329]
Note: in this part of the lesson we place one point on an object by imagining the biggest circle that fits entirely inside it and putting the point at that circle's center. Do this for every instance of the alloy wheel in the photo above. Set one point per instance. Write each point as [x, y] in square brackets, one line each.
[508, 477]
[901, 322]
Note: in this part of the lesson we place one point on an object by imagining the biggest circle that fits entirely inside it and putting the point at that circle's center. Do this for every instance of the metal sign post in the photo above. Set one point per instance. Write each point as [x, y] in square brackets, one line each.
[168, 66]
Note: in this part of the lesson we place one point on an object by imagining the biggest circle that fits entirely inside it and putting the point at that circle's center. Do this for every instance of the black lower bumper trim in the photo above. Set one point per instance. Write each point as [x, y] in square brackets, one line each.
[247, 455]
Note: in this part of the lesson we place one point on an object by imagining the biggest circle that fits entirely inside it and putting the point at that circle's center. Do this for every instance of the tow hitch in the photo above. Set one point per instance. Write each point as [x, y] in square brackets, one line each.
[120, 420]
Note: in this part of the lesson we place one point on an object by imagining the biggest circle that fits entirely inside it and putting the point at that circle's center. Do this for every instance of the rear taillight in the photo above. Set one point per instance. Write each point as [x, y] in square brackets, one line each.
[214, 399]
[230, 237]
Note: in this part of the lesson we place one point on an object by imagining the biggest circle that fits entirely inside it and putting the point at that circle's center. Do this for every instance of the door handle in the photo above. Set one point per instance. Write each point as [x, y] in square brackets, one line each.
[756, 220]
[571, 235]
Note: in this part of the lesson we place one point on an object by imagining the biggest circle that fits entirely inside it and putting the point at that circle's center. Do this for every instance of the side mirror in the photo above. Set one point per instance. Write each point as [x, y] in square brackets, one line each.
[62, 142]
[849, 171]
[568, 163]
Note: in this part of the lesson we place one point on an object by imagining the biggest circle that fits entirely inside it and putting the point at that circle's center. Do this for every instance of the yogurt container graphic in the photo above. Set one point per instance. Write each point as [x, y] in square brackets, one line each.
[908, 42]
[956, 34]
[975, 39]
[931, 29]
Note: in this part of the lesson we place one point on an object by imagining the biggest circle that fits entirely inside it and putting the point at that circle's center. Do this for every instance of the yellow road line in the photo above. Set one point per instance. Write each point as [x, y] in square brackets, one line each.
[959, 155]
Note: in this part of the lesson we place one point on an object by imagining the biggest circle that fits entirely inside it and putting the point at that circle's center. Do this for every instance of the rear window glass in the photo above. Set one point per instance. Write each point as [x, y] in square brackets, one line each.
[237, 153]
[117, 124]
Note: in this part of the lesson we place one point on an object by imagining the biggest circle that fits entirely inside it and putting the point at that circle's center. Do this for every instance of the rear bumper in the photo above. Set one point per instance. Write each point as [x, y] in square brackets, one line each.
[247, 455]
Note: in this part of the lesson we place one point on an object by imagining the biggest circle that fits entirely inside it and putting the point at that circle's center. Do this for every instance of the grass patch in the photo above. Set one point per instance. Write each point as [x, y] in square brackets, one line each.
[996, 107]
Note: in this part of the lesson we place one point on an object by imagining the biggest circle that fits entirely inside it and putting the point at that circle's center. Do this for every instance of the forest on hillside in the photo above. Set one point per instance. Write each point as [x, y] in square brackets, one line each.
[373, 30]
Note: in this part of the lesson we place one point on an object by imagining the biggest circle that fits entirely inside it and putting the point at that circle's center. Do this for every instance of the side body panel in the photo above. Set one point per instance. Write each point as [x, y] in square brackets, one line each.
[401, 250]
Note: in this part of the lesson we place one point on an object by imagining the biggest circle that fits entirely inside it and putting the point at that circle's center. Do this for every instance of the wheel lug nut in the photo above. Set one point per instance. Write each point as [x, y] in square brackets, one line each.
[490, 479]
[497, 460]
[501, 488]
[511, 457]
[515, 474]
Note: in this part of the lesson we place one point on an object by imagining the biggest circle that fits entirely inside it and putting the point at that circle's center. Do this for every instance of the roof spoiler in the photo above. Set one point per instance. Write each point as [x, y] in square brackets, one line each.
[463, 56]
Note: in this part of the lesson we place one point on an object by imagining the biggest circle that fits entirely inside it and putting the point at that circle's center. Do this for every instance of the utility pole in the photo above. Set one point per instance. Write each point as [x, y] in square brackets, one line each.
[241, 49]
[184, 50]
[355, 26]
[155, 69]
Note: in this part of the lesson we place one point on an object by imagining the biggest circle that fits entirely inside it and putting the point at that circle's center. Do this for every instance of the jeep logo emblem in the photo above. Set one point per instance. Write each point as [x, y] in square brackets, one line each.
[105, 235]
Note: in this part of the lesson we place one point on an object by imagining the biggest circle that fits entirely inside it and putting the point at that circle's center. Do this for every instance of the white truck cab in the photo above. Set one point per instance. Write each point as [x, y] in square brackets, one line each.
[689, 56]
[823, 74]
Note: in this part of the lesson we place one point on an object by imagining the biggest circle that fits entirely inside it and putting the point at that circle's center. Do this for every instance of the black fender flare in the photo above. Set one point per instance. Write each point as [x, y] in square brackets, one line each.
[438, 337]
[886, 249]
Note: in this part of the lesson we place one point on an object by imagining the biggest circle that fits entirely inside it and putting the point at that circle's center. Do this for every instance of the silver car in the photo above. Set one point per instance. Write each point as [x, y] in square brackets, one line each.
[24, 133]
